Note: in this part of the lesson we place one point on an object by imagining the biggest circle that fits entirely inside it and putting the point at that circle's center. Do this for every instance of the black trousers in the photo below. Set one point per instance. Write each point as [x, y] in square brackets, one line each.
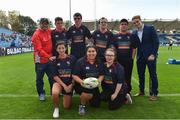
[118, 101]
[128, 66]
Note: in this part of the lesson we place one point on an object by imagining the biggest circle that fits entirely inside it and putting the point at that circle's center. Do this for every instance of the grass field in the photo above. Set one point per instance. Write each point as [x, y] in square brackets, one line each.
[18, 97]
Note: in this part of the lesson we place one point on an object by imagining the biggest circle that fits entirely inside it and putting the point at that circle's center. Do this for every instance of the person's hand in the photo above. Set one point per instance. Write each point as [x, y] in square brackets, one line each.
[52, 58]
[113, 96]
[68, 88]
[151, 57]
[99, 81]
[81, 83]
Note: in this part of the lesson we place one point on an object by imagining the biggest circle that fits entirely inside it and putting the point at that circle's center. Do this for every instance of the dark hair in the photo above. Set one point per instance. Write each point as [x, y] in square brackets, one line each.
[58, 19]
[44, 20]
[92, 46]
[103, 18]
[77, 15]
[60, 43]
[136, 17]
[124, 20]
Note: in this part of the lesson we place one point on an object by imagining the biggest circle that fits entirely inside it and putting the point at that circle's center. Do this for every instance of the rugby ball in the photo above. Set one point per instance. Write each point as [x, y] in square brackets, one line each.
[90, 83]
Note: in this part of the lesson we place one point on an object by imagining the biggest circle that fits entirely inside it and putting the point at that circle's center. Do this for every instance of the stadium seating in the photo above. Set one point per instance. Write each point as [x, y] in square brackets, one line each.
[10, 38]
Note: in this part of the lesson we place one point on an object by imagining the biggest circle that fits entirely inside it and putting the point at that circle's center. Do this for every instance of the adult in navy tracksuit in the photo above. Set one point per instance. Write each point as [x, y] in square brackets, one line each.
[58, 34]
[147, 55]
[126, 44]
[102, 38]
[78, 34]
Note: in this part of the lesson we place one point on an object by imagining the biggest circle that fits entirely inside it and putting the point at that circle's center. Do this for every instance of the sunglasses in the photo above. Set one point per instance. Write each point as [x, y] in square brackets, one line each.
[103, 22]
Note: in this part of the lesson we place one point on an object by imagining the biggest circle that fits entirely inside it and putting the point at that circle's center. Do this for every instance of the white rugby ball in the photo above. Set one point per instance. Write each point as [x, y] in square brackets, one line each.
[90, 83]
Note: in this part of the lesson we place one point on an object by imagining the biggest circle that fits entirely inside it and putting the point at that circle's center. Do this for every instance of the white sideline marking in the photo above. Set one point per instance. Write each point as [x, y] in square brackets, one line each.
[36, 96]
[137, 82]
[17, 95]
[32, 96]
[24, 96]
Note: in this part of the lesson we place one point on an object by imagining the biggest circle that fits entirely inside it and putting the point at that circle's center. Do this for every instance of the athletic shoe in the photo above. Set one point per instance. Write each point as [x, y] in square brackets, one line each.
[56, 113]
[153, 98]
[128, 99]
[42, 97]
[82, 110]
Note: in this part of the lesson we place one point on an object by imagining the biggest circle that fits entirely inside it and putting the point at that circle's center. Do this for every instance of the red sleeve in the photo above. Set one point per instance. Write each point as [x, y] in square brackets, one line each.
[38, 46]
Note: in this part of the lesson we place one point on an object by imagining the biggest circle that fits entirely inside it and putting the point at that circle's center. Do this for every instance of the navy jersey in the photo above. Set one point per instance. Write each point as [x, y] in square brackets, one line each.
[84, 69]
[113, 75]
[77, 37]
[63, 68]
[124, 43]
[102, 41]
[58, 37]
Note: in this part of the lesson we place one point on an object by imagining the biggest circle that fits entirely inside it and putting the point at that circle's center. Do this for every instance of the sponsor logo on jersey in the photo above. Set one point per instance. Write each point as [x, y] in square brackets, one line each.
[119, 37]
[81, 30]
[87, 68]
[58, 64]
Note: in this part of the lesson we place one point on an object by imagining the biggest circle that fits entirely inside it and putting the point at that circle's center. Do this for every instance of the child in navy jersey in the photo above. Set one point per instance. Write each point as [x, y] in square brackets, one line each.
[62, 70]
[113, 85]
[102, 38]
[58, 34]
[126, 44]
[85, 67]
[77, 35]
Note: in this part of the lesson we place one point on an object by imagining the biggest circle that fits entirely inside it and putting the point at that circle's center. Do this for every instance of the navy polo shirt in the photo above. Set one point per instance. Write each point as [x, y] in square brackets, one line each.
[125, 43]
[84, 69]
[63, 69]
[77, 37]
[102, 41]
[113, 75]
[58, 37]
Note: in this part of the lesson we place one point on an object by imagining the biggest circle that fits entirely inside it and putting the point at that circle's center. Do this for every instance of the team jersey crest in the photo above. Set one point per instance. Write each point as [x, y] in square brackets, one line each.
[58, 64]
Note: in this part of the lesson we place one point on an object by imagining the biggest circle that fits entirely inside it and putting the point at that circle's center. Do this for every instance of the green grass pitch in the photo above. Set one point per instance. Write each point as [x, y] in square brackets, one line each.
[18, 97]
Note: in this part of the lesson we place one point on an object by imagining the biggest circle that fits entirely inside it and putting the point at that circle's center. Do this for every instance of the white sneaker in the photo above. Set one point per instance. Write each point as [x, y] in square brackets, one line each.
[129, 99]
[56, 113]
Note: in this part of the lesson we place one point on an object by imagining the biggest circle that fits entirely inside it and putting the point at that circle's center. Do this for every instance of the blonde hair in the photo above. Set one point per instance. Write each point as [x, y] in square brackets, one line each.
[136, 17]
[112, 49]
